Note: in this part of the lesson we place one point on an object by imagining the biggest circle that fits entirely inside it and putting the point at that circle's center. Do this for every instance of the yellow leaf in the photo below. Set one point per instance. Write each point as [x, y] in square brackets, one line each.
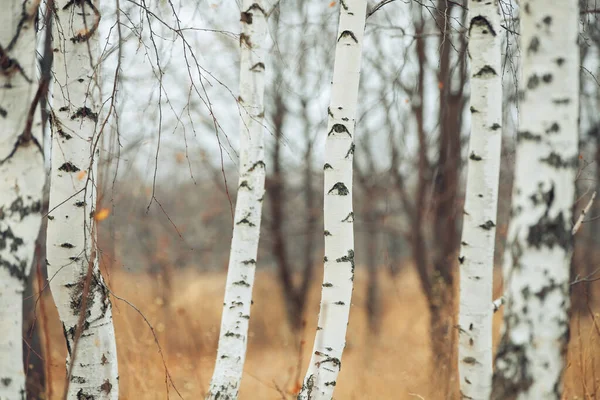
[102, 214]
[332, 4]
[81, 175]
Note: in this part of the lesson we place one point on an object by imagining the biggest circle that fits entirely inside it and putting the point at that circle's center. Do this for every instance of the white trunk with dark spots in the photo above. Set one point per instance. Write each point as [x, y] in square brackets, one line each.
[531, 356]
[233, 338]
[481, 199]
[22, 180]
[338, 277]
[71, 246]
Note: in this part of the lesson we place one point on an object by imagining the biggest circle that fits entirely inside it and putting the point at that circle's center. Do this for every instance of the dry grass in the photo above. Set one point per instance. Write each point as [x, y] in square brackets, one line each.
[392, 365]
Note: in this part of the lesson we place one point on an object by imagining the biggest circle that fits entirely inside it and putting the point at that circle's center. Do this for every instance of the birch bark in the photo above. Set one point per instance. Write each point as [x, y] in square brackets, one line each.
[338, 277]
[231, 352]
[71, 246]
[481, 199]
[22, 180]
[530, 358]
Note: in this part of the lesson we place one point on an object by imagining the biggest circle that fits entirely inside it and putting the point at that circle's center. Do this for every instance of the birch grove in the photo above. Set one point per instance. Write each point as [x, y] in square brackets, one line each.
[76, 283]
[233, 338]
[338, 275]
[481, 199]
[531, 356]
[22, 178]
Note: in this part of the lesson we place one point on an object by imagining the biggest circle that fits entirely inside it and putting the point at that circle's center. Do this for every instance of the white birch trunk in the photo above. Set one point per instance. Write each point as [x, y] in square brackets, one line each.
[481, 199]
[22, 180]
[233, 339]
[531, 356]
[338, 277]
[71, 246]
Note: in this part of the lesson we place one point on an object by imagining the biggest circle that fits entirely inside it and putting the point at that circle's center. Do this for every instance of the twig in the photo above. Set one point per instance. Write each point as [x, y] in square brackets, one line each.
[378, 6]
[582, 215]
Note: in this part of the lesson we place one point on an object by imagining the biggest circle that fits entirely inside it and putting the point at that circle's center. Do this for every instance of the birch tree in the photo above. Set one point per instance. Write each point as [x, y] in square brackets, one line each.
[76, 283]
[530, 358]
[481, 199]
[338, 276]
[231, 352]
[22, 179]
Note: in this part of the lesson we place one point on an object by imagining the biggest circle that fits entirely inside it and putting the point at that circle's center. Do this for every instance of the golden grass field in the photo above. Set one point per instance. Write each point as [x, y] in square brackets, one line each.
[392, 365]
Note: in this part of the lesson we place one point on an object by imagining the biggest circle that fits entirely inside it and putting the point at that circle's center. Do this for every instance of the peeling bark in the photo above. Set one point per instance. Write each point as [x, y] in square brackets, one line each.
[531, 356]
[330, 340]
[22, 180]
[71, 246]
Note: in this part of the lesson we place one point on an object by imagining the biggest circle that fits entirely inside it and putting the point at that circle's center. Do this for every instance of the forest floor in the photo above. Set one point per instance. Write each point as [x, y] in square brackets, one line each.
[392, 364]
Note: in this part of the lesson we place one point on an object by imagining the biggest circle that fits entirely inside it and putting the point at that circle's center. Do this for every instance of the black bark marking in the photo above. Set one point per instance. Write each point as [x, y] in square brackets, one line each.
[19, 207]
[348, 258]
[67, 245]
[547, 78]
[339, 128]
[258, 67]
[85, 112]
[475, 157]
[534, 45]
[487, 225]
[327, 166]
[562, 101]
[3, 112]
[106, 387]
[241, 283]
[341, 189]
[495, 127]
[461, 259]
[469, 360]
[473, 110]
[486, 71]
[17, 268]
[349, 34]
[555, 160]
[481, 22]
[350, 151]
[349, 217]
[553, 128]
[327, 233]
[533, 82]
[550, 232]
[81, 395]
[339, 303]
[514, 377]
[526, 135]
[68, 167]
[249, 262]
[327, 284]
[547, 20]
[64, 134]
[245, 220]
[245, 184]
[78, 379]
